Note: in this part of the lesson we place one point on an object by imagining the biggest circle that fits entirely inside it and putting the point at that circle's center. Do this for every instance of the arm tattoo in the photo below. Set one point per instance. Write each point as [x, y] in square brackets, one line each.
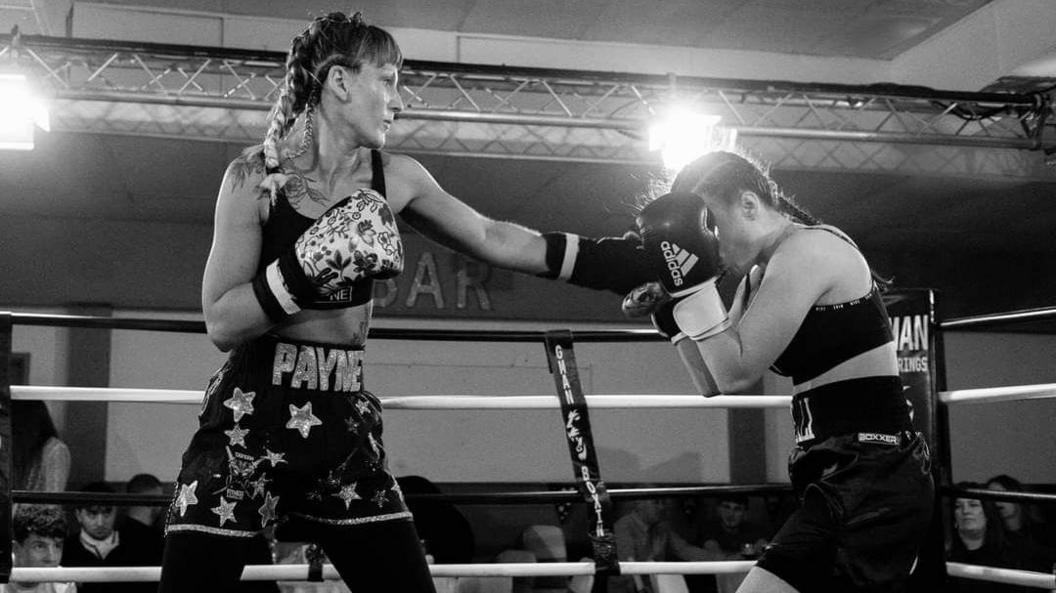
[250, 163]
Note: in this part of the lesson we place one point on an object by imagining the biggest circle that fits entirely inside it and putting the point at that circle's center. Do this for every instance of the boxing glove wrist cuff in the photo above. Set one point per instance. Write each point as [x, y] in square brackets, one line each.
[702, 314]
[562, 249]
[272, 293]
[610, 263]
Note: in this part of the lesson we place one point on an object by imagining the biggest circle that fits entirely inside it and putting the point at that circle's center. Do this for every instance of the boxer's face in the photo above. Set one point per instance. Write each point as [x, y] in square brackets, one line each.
[728, 225]
[372, 102]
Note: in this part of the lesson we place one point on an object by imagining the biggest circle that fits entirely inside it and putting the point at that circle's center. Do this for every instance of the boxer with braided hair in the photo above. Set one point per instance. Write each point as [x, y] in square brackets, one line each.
[288, 436]
[808, 308]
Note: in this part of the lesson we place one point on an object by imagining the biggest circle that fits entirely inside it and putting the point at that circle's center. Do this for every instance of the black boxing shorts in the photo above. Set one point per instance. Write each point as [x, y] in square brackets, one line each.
[286, 434]
[866, 501]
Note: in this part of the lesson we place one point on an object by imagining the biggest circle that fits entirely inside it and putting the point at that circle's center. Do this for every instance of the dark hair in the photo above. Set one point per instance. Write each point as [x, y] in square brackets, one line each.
[31, 428]
[331, 40]
[1007, 482]
[142, 483]
[995, 527]
[44, 520]
[95, 487]
[741, 499]
[727, 174]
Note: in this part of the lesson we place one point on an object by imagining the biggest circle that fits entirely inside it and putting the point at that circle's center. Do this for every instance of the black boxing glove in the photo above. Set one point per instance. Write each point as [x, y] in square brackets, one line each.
[684, 256]
[612, 263]
[357, 238]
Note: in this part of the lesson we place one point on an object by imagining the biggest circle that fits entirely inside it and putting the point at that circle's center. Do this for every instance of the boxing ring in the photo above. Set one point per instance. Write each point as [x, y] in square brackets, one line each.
[930, 417]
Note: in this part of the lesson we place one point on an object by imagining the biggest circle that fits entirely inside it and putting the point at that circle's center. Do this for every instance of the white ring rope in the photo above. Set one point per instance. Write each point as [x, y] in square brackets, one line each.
[299, 572]
[418, 402]
[520, 402]
[998, 394]
[1001, 575]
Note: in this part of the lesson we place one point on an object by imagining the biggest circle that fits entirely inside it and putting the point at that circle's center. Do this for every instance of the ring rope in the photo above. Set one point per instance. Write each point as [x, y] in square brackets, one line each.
[519, 402]
[299, 572]
[998, 394]
[416, 402]
[1001, 575]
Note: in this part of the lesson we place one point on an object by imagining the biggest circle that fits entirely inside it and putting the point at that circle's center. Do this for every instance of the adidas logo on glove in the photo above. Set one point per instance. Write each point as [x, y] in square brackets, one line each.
[679, 261]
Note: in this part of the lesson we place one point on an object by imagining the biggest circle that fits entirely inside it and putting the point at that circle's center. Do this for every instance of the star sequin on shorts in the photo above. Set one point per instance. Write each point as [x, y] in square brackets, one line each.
[226, 511]
[187, 497]
[237, 436]
[240, 403]
[302, 419]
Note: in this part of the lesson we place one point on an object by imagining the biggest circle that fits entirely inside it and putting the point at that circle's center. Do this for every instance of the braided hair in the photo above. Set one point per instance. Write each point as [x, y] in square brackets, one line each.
[331, 40]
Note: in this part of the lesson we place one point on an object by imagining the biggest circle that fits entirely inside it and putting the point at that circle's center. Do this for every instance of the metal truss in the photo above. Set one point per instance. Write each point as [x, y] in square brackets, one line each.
[473, 110]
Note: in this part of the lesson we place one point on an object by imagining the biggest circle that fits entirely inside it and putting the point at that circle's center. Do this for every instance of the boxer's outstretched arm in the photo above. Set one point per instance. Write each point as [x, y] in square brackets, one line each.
[612, 263]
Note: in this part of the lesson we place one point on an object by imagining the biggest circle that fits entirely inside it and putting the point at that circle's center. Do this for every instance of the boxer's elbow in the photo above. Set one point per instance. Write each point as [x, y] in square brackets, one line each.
[220, 335]
[736, 383]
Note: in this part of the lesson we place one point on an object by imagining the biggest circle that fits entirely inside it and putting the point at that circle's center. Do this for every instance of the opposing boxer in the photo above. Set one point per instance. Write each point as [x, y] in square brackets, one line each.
[808, 309]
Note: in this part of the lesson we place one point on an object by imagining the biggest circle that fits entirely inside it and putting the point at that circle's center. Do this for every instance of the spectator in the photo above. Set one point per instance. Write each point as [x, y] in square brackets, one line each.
[643, 534]
[40, 459]
[979, 539]
[728, 536]
[38, 532]
[141, 522]
[99, 544]
[1026, 534]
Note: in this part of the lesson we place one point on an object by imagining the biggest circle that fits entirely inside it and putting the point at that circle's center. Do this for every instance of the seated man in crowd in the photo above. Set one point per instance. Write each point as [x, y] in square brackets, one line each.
[644, 534]
[144, 521]
[729, 536]
[38, 531]
[100, 543]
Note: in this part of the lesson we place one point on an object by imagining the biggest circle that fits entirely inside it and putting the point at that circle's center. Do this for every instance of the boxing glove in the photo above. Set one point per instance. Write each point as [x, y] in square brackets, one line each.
[355, 239]
[651, 299]
[684, 255]
[611, 263]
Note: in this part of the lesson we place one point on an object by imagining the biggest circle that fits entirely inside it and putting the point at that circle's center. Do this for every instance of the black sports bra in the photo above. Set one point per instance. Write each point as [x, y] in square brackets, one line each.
[833, 334]
[285, 225]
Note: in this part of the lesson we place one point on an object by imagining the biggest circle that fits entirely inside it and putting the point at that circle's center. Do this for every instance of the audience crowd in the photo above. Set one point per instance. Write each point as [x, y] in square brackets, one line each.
[1006, 534]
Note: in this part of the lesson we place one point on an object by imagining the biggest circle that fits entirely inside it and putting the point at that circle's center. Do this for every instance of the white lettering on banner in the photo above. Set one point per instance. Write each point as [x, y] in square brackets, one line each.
[429, 278]
[577, 439]
[910, 332]
[913, 364]
[425, 281]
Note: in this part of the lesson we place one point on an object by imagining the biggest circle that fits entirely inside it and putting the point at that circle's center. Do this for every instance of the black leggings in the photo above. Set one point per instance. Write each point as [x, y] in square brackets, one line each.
[370, 558]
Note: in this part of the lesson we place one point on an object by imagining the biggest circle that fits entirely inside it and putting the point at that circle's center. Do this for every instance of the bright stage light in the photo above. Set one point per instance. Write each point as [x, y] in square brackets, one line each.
[682, 135]
[20, 111]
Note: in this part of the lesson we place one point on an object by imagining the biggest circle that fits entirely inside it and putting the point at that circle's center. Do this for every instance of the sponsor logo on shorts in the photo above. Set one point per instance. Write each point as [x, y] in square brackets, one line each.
[679, 261]
[315, 367]
[882, 439]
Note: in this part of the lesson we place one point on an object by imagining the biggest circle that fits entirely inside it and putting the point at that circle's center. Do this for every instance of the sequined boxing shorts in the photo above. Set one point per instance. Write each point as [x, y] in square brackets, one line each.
[287, 435]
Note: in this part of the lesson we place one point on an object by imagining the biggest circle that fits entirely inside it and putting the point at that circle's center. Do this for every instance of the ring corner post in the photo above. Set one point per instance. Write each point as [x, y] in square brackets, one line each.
[918, 343]
[5, 447]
